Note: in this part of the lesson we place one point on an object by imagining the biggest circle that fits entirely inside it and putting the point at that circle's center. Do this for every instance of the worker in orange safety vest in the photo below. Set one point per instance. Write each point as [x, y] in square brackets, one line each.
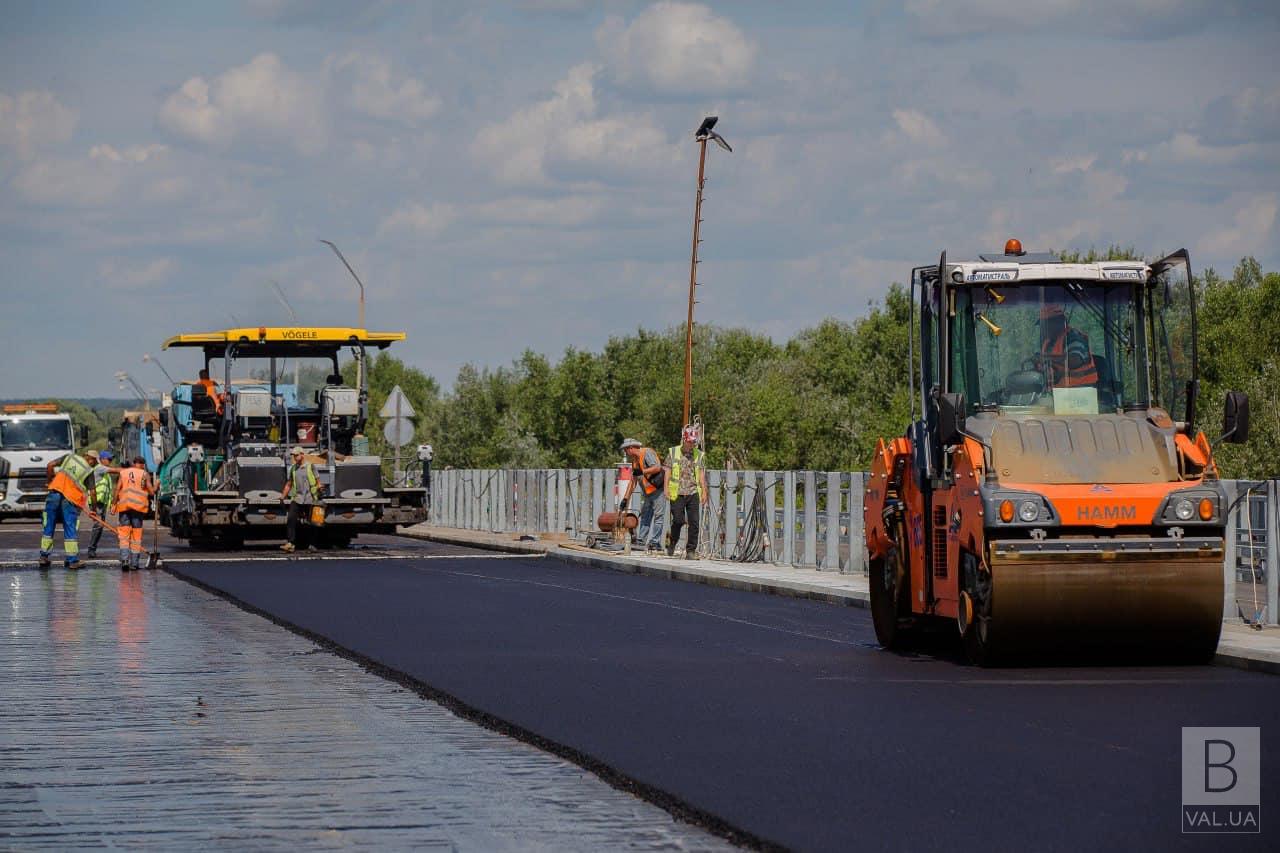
[67, 479]
[133, 499]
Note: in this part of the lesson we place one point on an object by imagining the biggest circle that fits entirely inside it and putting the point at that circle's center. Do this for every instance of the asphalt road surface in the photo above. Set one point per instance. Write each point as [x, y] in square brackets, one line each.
[775, 717]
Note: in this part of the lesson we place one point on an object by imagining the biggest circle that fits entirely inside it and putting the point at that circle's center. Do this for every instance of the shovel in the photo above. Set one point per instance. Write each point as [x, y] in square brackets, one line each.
[153, 559]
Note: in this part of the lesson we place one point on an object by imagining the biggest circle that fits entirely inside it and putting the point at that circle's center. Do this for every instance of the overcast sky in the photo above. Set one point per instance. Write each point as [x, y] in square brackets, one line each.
[521, 175]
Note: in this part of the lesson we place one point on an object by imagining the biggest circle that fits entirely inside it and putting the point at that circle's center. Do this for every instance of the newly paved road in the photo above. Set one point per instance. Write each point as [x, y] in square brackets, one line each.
[779, 717]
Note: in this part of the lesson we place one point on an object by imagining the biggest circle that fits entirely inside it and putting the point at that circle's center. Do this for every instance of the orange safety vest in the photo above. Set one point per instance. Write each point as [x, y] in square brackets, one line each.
[70, 477]
[134, 488]
[1062, 374]
[648, 487]
[210, 388]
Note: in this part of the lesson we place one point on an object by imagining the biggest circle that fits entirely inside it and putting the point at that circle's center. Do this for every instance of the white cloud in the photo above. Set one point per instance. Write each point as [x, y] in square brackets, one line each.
[565, 131]
[100, 178]
[1186, 148]
[952, 18]
[371, 88]
[262, 101]
[124, 274]
[1079, 163]
[1252, 220]
[33, 120]
[919, 128]
[417, 219]
[677, 48]
[566, 212]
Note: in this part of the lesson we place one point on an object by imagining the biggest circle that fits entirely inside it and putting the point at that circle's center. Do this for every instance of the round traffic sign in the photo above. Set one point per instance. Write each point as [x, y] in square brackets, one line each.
[398, 431]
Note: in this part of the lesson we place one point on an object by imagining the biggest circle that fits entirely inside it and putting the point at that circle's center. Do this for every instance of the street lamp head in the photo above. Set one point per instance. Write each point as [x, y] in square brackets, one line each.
[705, 132]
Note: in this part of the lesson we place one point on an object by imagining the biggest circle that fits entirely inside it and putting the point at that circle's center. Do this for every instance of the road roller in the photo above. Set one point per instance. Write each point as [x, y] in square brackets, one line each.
[1052, 494]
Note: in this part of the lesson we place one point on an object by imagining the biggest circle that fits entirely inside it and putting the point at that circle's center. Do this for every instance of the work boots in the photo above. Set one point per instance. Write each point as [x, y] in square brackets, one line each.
[288, 548]
[44, 561]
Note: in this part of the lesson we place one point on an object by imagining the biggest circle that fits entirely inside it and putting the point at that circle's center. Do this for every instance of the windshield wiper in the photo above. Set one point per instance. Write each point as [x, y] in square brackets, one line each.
[1112, 328]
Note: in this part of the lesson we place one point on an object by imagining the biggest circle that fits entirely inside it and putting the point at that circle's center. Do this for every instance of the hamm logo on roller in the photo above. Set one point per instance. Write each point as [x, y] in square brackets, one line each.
[1107, 513]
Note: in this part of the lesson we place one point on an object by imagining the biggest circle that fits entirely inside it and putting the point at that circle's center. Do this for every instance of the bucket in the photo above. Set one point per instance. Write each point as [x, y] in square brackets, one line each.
[623, 481]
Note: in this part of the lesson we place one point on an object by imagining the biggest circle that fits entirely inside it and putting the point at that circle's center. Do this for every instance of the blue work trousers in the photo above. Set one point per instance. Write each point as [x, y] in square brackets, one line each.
[653, 509]
[57, 509]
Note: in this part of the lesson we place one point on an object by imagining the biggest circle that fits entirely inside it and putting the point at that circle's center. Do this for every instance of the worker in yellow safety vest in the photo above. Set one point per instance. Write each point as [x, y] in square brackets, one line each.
[67, 478]
[101, 497]
[133, 500]
[686, 489]
[304, 486]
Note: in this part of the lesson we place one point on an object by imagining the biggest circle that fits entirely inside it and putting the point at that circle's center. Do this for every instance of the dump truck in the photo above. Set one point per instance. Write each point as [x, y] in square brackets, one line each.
[1053, 492]
[31, 436]
[225, 455]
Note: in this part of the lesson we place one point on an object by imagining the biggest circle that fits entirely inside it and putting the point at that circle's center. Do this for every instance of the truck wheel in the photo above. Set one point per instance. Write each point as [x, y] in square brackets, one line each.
[976, 630]
[888, 582]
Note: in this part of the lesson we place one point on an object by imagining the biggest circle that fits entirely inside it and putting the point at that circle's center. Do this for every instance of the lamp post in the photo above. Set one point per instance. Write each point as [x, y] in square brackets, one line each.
[123, 378]
[360, 360]
[702, 134]
[148, 358]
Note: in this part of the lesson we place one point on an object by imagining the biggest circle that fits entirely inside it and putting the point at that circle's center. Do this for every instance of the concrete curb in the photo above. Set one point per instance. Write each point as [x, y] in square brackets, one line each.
[1254, 661]
[710, 577]
[537, 548]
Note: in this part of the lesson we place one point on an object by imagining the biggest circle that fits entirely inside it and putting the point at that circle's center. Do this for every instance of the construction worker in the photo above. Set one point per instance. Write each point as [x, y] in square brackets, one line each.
[686, 488]
[646, 469]
[67, 478]
[1065, 358]
[211, 388]
[101, 498]
[304, 486]
[133, 499]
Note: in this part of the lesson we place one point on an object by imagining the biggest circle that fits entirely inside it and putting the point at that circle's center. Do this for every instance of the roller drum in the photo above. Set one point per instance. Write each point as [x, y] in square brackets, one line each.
[1150, 596]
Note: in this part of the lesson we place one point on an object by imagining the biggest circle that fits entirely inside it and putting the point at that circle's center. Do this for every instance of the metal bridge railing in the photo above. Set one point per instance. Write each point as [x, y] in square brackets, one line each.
[814, 519]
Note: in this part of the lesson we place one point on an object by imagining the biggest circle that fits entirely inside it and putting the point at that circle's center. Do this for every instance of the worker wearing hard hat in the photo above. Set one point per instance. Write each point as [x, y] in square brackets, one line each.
[101, 497]
[301, 482]
[68, 478]
[647, 470]
[133, 500]
[687, 488]
[1065, 358]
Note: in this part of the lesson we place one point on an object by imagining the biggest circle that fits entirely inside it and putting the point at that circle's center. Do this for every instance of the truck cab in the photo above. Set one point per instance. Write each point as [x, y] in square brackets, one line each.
[31, 436]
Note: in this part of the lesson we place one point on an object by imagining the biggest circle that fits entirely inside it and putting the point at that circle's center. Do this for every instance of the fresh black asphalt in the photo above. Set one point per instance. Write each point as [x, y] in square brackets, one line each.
[779, 717]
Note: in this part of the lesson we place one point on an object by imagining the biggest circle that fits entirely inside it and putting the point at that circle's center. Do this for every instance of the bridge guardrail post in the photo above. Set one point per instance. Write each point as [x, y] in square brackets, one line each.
[831, 538]
[1273, 552]
[789, 518]
[810, 559]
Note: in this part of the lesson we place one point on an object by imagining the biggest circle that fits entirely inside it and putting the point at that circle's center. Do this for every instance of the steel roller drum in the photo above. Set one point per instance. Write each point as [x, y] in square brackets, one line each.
[1158, 596]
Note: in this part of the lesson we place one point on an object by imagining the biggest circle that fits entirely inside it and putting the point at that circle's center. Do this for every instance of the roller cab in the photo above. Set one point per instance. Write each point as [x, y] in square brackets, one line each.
[1053, 492]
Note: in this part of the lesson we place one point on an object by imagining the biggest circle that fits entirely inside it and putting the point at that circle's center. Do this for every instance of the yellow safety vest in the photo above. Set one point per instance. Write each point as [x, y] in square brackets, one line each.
[676, 454]
[70, 477]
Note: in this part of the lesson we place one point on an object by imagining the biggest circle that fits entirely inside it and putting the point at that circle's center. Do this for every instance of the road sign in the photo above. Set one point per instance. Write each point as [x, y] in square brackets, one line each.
[398, 431]
[397, 405]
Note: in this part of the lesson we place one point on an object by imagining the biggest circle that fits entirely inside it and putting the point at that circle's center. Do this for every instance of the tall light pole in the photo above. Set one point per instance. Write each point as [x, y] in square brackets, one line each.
[360, 360]
[124, 378]
[702, 134]
[148, 358]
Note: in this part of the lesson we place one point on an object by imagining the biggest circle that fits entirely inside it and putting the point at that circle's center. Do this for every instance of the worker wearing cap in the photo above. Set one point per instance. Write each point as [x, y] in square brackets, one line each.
[133, 501]
[1065, 358]
[303, 484]
[646, 469]
[687, 489]
[68, 478]
[101, 497]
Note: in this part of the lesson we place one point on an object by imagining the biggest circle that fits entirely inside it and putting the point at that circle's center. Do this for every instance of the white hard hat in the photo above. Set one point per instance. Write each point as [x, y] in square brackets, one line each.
[297, 451]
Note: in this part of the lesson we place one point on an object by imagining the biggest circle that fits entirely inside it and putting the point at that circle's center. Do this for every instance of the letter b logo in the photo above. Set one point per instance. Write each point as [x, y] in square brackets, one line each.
[1225, 752]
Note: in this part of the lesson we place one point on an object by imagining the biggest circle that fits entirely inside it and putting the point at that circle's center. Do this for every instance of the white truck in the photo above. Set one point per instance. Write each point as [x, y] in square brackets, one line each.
[31, 436]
